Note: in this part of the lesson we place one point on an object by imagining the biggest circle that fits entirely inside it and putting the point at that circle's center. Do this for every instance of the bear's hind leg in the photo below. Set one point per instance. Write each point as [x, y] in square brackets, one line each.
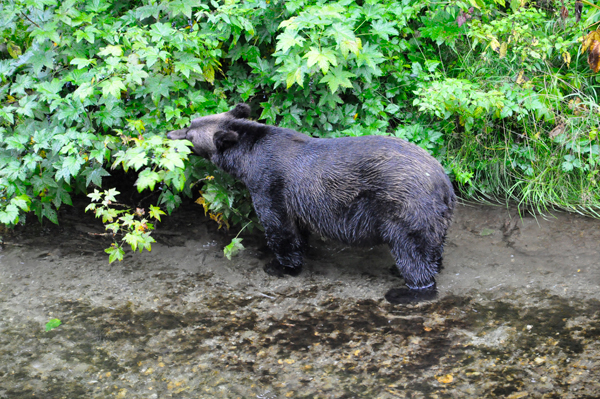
[418, 262]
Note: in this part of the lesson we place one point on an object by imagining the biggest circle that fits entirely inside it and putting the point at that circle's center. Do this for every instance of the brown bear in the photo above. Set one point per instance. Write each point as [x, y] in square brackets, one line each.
[359, 190]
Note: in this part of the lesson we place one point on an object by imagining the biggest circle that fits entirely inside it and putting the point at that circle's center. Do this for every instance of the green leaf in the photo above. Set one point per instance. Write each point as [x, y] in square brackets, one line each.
[82, 62]
[10, 215]
[324, 57]
[351, 46]
[158, 86]
[84, 91]
[147, 179]
[171, 160]
[52, 324]
[51, 89]
[188, 63]
[136, 74]
[180, 7]
[115, 253]
[234, 248]
[69, 168]
[152, 10]
[139, 240]
[287, 40]
[114, 86]
[160, 31]
[95, 196]
[115, 51]
[156, 212]
[7, 114]
[60, 194]
[171, 113]
[336, 78]
[27, 105]
[49, 213]
[295, 76]
[383, 29]
[96, 6]
[95, 175]
[136, 157]
[88, 34]
[22, 202]
[41, 59]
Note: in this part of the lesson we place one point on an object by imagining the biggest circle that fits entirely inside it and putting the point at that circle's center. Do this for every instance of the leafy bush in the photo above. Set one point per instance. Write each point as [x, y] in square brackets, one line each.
[498, 92]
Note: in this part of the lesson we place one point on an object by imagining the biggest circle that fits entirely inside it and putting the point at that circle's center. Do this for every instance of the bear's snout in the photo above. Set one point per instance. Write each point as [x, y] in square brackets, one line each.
[177, 134]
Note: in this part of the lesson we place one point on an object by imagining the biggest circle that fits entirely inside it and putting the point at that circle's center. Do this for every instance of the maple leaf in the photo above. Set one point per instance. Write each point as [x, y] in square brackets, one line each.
[336, 78]
[324, 58]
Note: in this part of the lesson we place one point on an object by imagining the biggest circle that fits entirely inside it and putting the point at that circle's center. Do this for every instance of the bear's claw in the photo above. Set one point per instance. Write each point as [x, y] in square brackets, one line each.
[274, 268]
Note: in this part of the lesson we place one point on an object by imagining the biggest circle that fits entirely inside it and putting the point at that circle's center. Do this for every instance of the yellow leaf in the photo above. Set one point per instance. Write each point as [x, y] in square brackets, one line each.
[567, 57]
[503, 49]
[495, 44]
[474, 4]
[589, 39]
[209, 74]
[445, 379]
[13, 49]
[521, 77]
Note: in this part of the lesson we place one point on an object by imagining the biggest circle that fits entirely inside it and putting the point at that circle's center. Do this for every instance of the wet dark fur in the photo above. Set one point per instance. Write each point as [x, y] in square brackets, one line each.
[359, 190]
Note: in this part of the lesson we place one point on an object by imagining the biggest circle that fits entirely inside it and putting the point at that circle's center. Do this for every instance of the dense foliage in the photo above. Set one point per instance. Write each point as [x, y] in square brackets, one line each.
[499, 92]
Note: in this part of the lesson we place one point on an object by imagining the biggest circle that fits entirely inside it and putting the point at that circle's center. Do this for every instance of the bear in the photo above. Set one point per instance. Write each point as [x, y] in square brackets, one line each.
[362, 191]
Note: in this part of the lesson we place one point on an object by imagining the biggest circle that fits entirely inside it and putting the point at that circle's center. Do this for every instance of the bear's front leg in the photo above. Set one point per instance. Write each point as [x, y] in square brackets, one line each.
[284, 238]
[288, 244]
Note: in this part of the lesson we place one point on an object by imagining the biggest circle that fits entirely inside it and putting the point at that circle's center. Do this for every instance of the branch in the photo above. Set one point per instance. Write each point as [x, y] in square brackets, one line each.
[25, 15]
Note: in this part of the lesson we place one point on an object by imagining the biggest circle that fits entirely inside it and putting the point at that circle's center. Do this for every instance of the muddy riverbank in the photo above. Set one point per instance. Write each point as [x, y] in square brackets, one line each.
[518, 315]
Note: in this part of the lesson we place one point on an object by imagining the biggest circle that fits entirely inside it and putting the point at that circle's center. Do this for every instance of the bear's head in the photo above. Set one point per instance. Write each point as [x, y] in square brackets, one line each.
[208, 133]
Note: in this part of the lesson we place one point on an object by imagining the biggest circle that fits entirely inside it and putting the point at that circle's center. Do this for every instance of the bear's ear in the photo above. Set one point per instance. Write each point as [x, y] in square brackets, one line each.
[241, 111]
[224, 139]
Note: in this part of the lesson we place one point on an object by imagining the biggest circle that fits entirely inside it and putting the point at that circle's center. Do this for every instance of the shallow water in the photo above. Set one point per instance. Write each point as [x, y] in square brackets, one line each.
[518, 315]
